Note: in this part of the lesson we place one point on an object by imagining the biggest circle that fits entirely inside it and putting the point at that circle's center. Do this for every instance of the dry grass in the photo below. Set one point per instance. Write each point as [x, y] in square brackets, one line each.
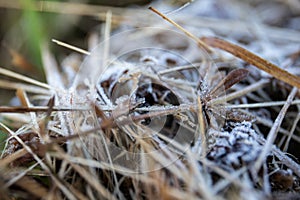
[152, 114]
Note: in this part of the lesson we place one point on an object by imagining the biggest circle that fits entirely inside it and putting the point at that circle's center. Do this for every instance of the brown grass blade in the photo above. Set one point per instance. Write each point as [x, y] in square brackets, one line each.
[253, 59]
[232, 78]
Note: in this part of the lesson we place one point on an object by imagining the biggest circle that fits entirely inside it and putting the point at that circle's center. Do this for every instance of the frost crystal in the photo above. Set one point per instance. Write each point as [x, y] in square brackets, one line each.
[235, 146]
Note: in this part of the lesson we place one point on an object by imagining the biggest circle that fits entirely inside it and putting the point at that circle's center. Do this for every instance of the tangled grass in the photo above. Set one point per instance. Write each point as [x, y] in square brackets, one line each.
[152, 114]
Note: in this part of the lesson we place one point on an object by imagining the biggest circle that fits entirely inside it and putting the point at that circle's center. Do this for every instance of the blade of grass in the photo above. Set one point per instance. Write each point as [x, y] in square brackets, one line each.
[23, 78]
[63, 44]
[232, 78]
[253, 59]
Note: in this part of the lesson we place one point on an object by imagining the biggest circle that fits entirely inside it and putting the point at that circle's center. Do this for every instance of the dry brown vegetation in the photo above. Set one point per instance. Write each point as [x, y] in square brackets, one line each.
[206, 107]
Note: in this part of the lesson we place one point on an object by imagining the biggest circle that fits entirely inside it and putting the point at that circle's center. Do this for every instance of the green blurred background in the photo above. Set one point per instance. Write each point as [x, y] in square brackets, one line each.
[24, 29]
